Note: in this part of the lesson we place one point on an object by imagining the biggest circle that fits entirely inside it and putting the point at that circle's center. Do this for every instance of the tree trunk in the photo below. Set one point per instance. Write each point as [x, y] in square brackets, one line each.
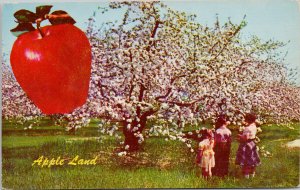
[131, 141]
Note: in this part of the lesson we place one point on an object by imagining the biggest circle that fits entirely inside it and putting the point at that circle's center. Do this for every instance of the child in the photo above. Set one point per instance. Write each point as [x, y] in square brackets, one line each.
[207, 159]
[222, 146]
[247, 154]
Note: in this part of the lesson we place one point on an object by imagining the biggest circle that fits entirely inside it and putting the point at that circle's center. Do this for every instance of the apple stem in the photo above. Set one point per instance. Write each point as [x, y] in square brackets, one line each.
[38, 24]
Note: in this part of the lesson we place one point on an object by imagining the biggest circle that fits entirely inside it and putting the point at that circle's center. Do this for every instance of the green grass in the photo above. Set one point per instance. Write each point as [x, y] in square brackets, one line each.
[160, 163]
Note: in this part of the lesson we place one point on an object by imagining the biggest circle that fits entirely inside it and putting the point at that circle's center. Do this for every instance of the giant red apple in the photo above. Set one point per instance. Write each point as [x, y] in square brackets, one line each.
[53, 65]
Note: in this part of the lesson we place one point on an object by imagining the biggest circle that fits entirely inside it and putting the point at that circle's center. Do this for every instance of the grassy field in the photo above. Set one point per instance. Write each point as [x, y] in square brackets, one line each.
[160, 164]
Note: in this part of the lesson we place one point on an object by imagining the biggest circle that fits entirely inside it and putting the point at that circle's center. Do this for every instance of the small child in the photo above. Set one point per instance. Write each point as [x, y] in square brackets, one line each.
[207, 160]
[247, 154]
[222, 146]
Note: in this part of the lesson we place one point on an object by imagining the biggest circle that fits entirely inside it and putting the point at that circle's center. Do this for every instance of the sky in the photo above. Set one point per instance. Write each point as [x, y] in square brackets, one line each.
[268, 19]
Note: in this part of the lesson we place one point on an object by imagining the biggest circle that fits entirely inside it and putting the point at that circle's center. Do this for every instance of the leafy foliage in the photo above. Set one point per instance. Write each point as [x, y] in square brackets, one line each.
[26, 18]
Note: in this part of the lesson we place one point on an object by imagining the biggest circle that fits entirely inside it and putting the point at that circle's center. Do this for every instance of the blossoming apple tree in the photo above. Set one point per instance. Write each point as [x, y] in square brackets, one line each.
[161, 66]
[15, 103]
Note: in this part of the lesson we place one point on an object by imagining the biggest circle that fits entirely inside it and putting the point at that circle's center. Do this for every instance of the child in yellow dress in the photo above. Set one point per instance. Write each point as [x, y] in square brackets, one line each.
[207, 160]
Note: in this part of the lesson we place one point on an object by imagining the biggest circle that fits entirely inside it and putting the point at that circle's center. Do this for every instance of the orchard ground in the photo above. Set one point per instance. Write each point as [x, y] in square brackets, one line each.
[160, 163]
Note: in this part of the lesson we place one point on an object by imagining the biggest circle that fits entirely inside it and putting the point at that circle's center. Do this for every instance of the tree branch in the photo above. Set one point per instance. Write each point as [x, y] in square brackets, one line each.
[227, 42]
[170, 89]
[187, 104]
[153, 33]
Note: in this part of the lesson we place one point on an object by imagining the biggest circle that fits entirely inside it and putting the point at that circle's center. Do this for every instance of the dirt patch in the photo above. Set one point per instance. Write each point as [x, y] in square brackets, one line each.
[294, 144]
[164, 163]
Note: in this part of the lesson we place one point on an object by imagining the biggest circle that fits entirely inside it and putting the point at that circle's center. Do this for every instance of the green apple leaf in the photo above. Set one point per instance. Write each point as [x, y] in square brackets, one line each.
[41, 11]
[61, 17]
[25, 16]
[22, 28]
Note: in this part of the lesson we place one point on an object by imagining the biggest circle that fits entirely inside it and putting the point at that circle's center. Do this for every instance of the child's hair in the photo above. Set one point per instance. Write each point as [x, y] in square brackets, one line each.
[221, 120]
[250, 117]
[206, 133]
